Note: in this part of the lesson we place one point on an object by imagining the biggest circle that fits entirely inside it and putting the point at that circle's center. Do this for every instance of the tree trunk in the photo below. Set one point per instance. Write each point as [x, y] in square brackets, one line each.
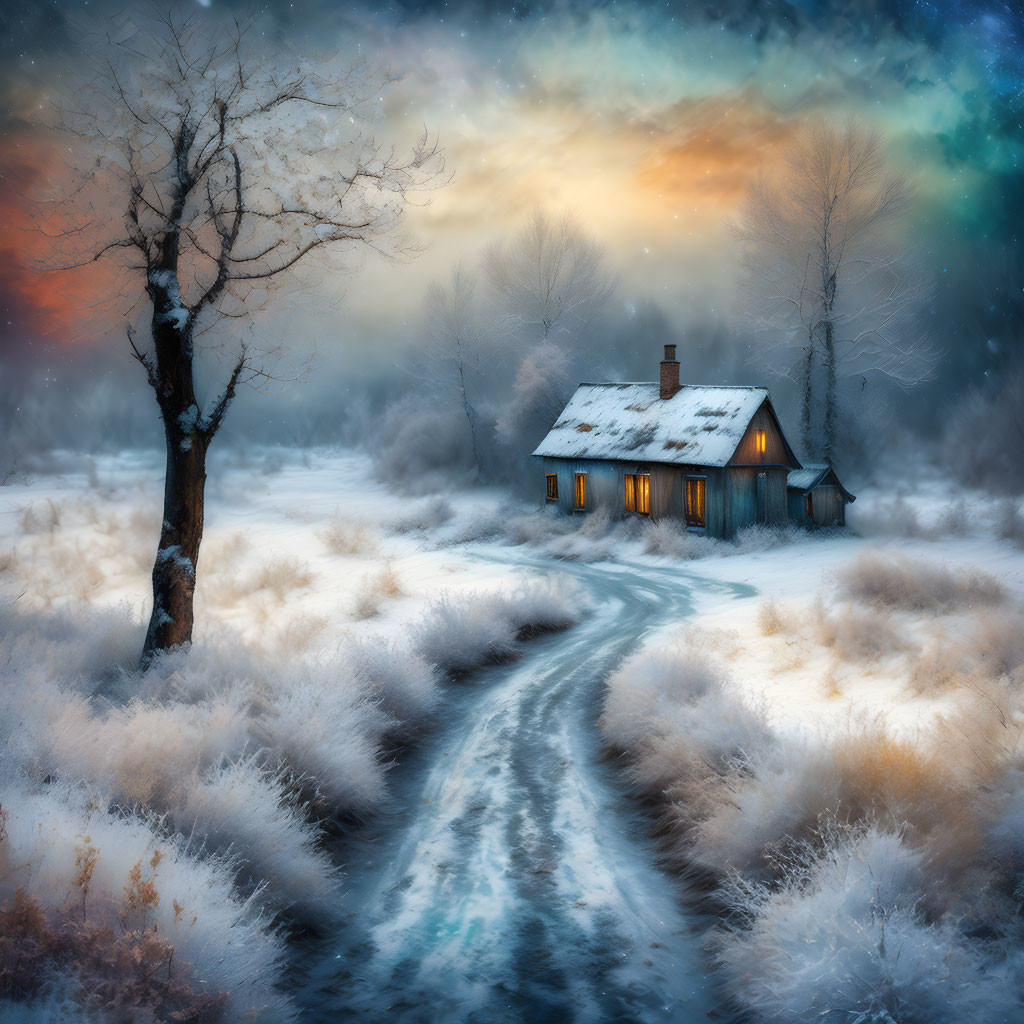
[187, 440]
[807, 399]
[174, 572]
[829, 441]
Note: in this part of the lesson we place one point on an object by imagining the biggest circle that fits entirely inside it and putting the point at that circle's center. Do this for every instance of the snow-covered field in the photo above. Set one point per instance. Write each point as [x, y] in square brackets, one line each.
[855, 722]
[842, 759]
[193, 799]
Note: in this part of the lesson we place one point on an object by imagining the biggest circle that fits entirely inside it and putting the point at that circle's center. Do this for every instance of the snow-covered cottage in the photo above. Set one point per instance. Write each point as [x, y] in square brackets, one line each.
[714, 456]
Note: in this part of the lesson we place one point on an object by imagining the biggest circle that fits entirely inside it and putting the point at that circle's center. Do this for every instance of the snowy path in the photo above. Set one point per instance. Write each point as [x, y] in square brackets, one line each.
[511, 879]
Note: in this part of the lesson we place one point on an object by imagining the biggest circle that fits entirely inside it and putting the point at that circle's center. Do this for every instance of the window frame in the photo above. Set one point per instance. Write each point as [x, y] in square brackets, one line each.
[579, 492]
[629, 491]
[643, 494]
[551, 480]
[702, 482]
[636, 496]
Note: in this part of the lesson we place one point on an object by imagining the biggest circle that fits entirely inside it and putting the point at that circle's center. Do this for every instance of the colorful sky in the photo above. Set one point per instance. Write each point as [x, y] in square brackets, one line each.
[648, 121]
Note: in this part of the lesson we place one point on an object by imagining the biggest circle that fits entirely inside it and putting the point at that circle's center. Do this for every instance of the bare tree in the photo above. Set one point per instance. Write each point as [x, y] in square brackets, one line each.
[457, 349]
[213, 171]
[825, 272]
[550, 278]
[550, 283]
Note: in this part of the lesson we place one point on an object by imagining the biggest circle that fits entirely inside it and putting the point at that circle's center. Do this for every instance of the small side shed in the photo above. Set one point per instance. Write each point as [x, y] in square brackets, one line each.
[816, 496]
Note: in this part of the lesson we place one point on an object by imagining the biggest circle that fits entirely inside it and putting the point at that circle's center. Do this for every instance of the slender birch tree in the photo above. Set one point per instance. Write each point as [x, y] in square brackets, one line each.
[826, 273]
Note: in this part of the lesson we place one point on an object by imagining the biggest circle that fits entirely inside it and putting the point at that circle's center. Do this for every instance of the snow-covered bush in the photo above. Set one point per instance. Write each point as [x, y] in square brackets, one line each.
[893, 581]
[426, 515]
[397, 678]
[676, 711]
[670, 539]
[856, 633]
[461, 633]
[347, 536]
[123, 878]
[841, 939]
[375, 589]
[483, 524]
[537, 527]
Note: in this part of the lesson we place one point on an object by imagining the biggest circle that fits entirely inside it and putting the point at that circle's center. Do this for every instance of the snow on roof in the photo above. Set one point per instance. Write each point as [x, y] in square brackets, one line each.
[804, 479]
[812, 474]
[699, 425]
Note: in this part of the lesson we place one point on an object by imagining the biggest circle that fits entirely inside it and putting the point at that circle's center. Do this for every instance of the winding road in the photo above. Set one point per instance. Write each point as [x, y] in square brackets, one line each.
[511, 878]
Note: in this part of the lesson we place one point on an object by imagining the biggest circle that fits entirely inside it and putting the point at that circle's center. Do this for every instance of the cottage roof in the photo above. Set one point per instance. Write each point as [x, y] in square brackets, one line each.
[813, 474]
[699, 425]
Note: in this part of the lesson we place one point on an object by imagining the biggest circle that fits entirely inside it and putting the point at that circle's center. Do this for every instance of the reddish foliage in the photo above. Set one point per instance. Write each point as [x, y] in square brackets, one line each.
[115, 971]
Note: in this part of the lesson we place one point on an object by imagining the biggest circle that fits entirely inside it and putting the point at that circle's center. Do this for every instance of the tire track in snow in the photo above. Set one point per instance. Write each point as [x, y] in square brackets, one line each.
[510, 880]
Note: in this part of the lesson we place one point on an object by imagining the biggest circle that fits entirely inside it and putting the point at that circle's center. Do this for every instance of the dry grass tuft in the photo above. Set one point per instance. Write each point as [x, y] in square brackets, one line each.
[893, 581]
[375, 589]
[770, 618]
[856, 634]
[343, 536]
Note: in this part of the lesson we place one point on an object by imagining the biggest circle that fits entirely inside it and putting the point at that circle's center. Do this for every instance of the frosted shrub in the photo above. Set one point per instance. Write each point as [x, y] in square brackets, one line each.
[424, 516]
[460, 633]
[770, 618]
[894, 517]
[764, 537]
[590, 538]
[670, 539]
[773, 792]
[541, 605]
[396, 677]
[857, 634]
[282, 575]
[375, 589]
[841, 940]
[315, 727]
[893, 581]
[676, 712]
[191, 904]
[343, 536]
[482, 524]
[537, 527]
[243, 808]
[997, 641]
[42, 517]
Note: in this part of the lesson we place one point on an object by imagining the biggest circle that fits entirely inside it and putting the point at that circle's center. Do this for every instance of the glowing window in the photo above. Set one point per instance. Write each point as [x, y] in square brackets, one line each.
[761, 441]
[581, 490]
[552, 486]
[810, 506]
[643, 494]
[638, 493]
[695, 501]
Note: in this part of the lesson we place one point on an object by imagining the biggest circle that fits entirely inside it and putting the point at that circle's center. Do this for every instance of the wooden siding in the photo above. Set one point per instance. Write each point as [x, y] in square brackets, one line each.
[775, 454]
[827, 505]
[741, 501]
[606, 489]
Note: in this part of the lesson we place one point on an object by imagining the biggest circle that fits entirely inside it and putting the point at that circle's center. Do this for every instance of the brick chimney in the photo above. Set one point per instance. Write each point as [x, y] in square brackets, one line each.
[669, 373]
